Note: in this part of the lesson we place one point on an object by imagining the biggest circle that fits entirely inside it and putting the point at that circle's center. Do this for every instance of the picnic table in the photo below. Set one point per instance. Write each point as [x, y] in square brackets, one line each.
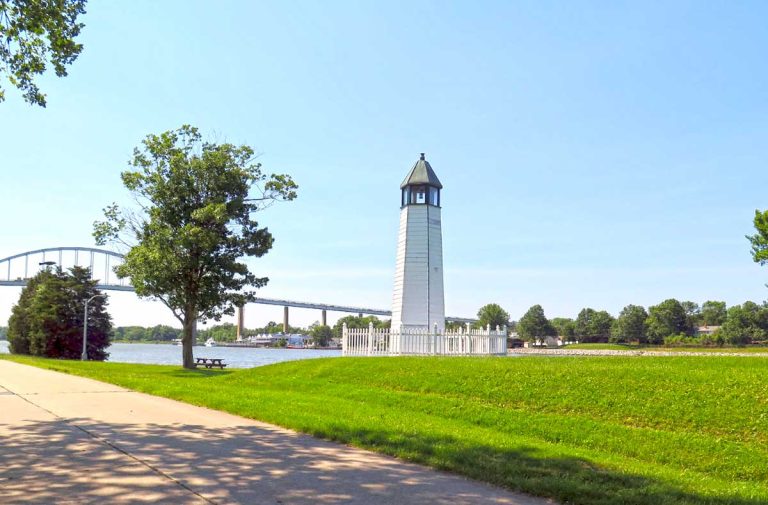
[210, 362]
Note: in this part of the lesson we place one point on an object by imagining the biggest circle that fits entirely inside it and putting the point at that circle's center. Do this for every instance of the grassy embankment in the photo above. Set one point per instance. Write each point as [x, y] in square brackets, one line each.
[661, 348]
[590, 430]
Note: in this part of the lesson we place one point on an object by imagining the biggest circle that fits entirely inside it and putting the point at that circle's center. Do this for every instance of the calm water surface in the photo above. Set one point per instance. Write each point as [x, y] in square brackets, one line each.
[236, 357]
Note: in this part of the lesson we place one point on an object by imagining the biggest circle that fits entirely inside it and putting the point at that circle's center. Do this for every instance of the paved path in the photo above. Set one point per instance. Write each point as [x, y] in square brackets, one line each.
[70, 440]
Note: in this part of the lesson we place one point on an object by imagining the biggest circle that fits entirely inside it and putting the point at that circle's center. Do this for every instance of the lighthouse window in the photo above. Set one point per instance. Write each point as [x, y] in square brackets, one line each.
[421, 194]
[434, 196]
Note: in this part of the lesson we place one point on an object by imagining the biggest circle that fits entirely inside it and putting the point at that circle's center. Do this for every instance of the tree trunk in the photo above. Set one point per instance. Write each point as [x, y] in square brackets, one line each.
[188, 340]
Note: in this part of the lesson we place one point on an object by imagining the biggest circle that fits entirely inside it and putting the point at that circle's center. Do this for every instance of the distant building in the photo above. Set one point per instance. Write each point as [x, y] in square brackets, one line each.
[706, 330]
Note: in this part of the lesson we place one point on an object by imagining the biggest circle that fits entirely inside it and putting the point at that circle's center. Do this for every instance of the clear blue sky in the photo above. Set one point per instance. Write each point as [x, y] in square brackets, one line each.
[593, 153]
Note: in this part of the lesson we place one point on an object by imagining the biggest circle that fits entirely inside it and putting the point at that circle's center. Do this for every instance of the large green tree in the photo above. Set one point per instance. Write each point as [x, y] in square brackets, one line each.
[745, 323]
[492, 314]
[534, 325]
[759, 240]
[713, 313]
[666, 319]
[321, 335]
[592, 325]
[692, 312]
[48, 319]
[34, 33]
[630, 325]
[195, 225]
[565, 327]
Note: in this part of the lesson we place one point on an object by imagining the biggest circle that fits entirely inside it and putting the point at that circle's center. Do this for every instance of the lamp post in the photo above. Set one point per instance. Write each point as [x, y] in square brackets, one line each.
[84, 355]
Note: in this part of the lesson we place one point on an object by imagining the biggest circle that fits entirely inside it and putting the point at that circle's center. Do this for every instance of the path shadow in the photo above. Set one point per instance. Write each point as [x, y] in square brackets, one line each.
[525, 469]
[80, 460]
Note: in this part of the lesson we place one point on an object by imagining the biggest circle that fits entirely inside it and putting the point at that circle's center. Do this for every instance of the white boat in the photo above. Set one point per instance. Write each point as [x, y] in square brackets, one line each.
[176, 341]
[210, 342]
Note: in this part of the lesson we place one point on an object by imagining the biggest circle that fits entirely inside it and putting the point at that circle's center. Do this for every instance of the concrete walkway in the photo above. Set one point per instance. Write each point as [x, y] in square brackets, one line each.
[69, 440]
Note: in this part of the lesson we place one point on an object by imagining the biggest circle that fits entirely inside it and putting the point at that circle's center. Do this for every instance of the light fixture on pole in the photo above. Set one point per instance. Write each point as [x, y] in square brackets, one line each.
[84, 355]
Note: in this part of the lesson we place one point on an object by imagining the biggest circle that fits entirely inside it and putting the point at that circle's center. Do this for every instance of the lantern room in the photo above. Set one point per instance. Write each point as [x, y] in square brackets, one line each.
[421, 186]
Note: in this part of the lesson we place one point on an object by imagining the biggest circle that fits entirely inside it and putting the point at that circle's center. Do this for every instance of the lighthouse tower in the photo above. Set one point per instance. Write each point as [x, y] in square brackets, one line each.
[418, 300]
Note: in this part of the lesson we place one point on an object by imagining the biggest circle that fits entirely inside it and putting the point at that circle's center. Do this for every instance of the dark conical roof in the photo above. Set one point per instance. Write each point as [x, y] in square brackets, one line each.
[421, 173]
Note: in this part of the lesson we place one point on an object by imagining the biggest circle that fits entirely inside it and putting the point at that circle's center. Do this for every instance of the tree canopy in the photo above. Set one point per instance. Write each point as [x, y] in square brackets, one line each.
[321, 335]
[565, 327]
[158, 333]
[712, 313]
[759, 240]
[592, 325]
[48, 319]
[630, 325]
[492, 314]
[745, 323]
[358, 322]
[666, 319]
[194, 225]
[534, 325]
[35, 33]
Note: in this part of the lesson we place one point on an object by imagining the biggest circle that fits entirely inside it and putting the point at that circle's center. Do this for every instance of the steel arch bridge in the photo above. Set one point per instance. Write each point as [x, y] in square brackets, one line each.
[17, 269]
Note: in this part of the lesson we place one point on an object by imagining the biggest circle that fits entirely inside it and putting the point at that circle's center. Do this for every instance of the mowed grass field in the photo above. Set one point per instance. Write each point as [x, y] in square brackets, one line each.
[582, 430]
[661, 348]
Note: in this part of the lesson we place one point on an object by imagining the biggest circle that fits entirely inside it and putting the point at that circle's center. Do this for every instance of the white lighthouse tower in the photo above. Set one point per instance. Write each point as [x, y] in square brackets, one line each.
[418, 300]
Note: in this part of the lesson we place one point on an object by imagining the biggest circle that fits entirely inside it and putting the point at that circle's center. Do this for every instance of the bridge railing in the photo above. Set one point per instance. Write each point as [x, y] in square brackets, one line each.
[16, 269]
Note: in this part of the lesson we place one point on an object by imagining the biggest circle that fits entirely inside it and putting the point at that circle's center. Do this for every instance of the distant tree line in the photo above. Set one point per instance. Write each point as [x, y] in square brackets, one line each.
[159, 333]
[225, 332]
[671, 322]
[3, 332]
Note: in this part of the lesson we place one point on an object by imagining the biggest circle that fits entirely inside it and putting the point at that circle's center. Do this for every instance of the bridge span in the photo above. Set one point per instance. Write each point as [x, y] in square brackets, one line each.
[15, 271]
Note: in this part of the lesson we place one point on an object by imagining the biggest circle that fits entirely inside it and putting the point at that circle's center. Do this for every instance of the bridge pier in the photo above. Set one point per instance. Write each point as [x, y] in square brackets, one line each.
[323, 319]
[285, 319]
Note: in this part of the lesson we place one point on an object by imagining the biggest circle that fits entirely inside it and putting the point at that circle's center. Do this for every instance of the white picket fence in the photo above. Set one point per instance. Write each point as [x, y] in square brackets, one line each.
[423, 342]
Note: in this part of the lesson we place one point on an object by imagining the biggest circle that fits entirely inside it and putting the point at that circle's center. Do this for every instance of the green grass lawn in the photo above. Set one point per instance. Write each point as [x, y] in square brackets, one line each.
[633, 347]
[588, 430]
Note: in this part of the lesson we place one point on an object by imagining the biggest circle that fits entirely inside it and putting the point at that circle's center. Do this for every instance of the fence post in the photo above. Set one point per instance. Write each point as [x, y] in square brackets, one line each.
[434, 339]
[344, 340]
[370, 339]
[504, 341]
[466, 340]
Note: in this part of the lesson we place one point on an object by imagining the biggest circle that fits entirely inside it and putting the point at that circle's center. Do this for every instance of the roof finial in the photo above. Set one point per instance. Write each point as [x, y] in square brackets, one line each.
[422, 156]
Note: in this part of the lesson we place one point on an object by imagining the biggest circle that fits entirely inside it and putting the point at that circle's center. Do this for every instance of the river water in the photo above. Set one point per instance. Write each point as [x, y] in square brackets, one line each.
[235, 357]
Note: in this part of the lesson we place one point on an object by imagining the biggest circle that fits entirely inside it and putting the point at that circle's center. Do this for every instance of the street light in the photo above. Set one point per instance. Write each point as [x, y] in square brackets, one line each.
[84, 355]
